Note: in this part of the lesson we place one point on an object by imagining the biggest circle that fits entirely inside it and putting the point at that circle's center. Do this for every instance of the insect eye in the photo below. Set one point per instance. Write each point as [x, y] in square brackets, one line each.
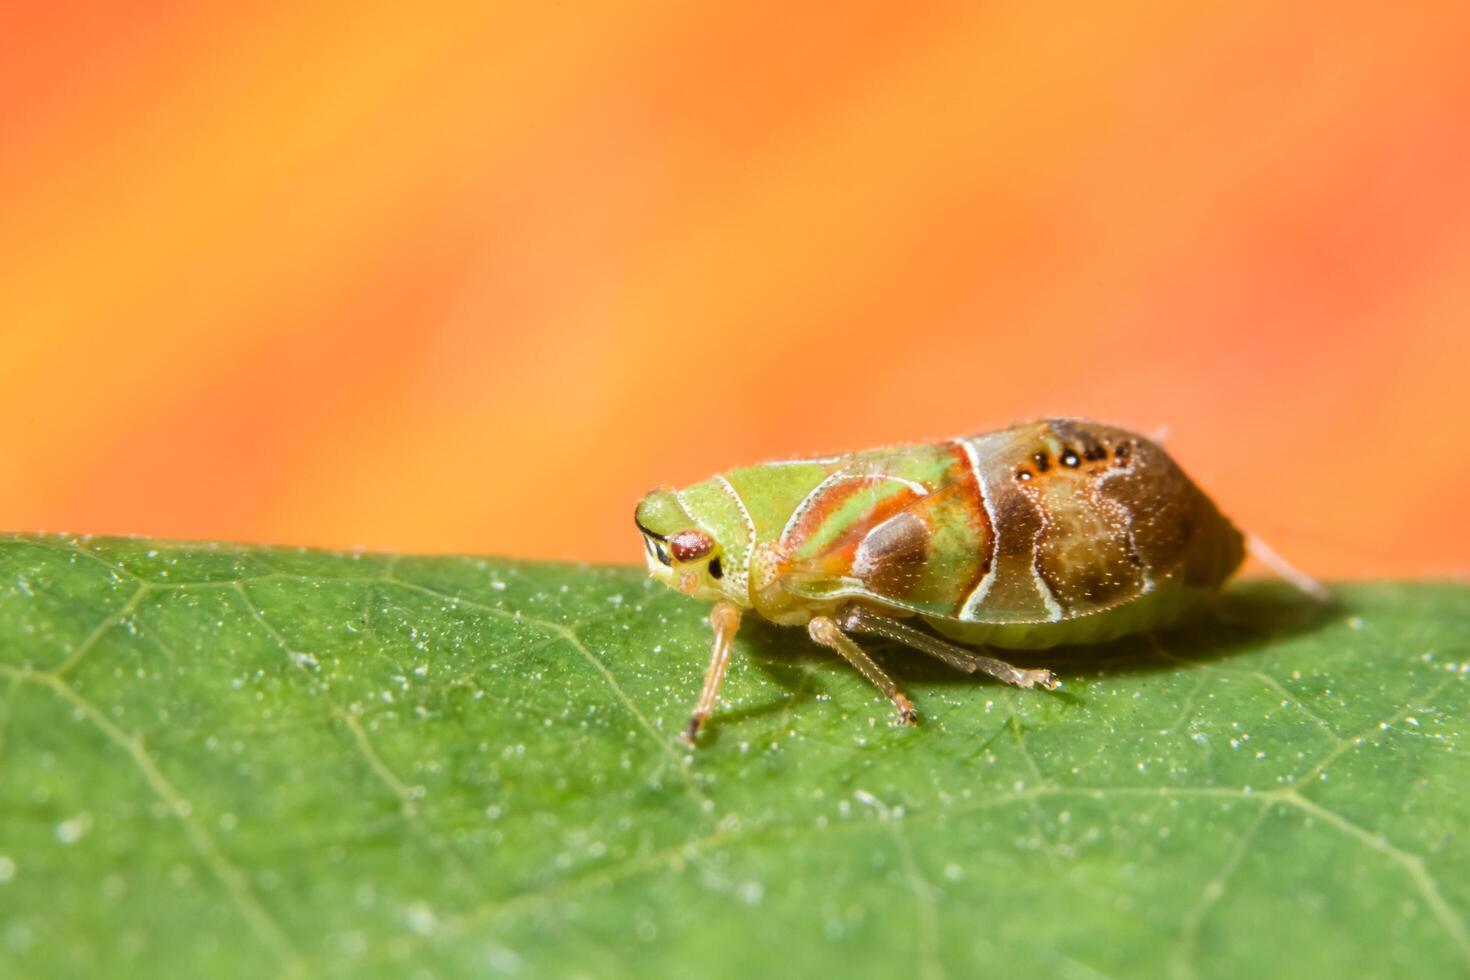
[715, 571]
[662, 553]
[691, 545]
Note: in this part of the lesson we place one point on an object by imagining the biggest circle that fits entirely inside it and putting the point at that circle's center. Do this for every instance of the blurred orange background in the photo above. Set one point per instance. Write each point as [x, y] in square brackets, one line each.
[473, 277]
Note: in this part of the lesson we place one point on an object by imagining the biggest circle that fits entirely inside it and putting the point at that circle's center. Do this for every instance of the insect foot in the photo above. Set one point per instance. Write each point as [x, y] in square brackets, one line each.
[906, 713]
[690, 734]
[1037, 678]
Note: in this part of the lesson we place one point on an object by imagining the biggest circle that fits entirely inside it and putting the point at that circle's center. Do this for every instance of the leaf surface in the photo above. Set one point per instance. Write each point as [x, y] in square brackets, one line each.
[223, 761]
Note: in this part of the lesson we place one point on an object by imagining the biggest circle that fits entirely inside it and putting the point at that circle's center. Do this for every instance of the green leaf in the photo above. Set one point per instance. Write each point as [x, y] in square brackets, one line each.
[223, 761]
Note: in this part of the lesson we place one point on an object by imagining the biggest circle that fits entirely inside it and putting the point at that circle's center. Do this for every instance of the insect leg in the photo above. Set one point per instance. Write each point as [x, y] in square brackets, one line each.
[824, 630]
[858, 619]
[724, 619]
[1267, 556]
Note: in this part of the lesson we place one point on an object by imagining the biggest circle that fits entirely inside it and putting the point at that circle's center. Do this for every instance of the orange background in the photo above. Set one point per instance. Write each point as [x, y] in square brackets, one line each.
[472, 279]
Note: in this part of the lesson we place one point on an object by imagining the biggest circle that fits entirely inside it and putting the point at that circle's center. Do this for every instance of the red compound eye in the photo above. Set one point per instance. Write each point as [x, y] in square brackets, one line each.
[691, 545]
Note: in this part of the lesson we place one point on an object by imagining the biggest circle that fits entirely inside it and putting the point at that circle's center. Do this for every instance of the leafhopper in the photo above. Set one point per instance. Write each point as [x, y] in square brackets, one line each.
[1051, 532]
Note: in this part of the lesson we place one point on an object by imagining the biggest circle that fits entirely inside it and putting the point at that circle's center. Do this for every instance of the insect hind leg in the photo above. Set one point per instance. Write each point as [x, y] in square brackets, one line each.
[859, 619]
[825, 631]
[1266, 555]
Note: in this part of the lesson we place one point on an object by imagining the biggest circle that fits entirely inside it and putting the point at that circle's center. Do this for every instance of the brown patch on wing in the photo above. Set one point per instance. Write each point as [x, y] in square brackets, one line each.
[933, 553]
[1084, 549]
[1161, 504]
[890, 557]
[1169, 526]
[1013, 590]
[1092, 516]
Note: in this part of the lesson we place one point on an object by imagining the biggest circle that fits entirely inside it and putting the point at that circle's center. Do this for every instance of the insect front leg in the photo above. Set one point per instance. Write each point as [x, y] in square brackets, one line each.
[724, 619]
[859, 619]
[824, 630]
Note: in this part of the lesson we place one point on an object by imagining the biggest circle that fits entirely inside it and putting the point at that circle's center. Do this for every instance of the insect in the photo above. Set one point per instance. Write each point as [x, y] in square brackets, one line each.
[1055, 531]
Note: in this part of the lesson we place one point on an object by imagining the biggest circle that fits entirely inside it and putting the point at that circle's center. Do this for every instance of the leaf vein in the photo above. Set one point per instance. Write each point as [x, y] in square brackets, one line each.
[261, 922]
